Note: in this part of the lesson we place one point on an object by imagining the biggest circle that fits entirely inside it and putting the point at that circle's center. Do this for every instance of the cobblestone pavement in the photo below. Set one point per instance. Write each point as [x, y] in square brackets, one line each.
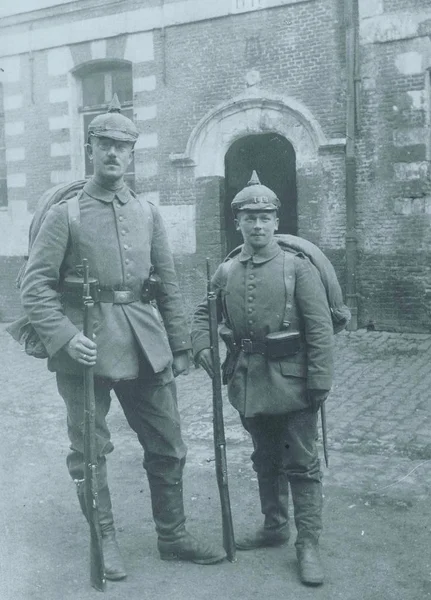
[377, 488]
[380, 401]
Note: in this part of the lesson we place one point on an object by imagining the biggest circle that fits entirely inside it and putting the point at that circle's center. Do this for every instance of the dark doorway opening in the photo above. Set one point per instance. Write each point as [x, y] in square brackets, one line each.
[273, 158]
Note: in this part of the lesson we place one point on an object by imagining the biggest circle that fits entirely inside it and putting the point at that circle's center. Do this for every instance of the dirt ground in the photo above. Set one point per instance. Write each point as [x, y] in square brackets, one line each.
[377, 516]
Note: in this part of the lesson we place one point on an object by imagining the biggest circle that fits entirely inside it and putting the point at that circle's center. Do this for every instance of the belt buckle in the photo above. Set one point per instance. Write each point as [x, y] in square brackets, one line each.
[247, 346]
[122, 297]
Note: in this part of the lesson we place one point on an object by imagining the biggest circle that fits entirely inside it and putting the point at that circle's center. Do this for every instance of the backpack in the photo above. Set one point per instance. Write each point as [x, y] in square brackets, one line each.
[340, 313]
[21, 329]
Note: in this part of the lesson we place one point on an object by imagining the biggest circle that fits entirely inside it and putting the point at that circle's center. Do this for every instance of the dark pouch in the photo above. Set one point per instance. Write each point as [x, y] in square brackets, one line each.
[282, 343]
[151, 287]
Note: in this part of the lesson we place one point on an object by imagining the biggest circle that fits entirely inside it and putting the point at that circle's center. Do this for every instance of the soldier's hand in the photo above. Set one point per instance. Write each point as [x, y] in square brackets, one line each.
[82, 349]
[205, 360]
[181, 363]
[317, 398]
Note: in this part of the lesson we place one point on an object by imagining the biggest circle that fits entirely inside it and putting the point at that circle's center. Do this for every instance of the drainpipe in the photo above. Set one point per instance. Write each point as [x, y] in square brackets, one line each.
[350, 162]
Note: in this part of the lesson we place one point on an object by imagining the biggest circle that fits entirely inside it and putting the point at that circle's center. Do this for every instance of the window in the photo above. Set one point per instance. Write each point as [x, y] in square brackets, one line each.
[99, 82]
[3, 170]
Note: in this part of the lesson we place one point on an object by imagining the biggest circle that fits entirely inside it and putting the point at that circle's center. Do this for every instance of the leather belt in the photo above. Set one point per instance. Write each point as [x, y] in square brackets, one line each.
[250, 347]
[117, 296]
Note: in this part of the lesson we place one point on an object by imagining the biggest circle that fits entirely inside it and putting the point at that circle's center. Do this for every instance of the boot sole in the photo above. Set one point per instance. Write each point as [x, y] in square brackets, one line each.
[115, 576]
[268, 544]
[197, 561]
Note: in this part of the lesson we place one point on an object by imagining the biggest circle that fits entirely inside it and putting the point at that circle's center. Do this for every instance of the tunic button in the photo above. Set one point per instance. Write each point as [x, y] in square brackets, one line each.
[251, 286]
[250, 310]
[123, 232]
[120, 218]
[250, 298]
[126, 247]
[251, 276]
[127, 275]
[127, 261]
[250, 321]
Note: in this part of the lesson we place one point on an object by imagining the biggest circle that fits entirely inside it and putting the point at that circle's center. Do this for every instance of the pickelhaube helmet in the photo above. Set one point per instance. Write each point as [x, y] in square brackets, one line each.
[255, 196]
[113, 124]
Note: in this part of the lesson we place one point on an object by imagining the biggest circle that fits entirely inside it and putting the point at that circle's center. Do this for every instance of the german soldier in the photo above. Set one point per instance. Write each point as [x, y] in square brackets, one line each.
[132, 352]
[278, 329]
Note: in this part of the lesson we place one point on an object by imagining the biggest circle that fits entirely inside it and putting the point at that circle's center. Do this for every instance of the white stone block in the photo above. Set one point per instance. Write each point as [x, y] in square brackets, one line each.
[409, 137]
[98, 49]
[148, 140]
[13, 102]
[60, 149]
[62, 122]
[140, 47]
[11, 66]
[153, 197]
[418, 98]
[407, 171]
[60, 61]
[61, 176]
[180, 223]
[16, 180]
[14, 128]
[144, 84]
[409, 63]
[145, 113]
[15, 154]
[370, 8]
[59, 95]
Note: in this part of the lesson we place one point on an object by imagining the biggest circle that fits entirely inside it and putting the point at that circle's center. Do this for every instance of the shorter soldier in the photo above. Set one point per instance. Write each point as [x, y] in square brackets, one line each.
[279, 333]
[141, 343]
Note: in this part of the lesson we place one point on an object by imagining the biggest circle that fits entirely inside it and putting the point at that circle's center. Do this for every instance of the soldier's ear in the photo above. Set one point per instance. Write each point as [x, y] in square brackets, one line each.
[237, 227]
[89, 150]
[277, 222]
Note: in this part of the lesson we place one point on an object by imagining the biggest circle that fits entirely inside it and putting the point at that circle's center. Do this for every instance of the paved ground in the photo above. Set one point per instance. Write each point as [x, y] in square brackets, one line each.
[377, 489]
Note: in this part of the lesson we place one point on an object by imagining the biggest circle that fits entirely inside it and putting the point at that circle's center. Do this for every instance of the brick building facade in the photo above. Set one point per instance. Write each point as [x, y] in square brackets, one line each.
[218, 89]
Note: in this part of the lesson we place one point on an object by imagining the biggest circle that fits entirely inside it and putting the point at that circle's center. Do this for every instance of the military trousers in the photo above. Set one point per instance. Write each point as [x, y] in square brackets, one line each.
[150, 405]
[285, 445]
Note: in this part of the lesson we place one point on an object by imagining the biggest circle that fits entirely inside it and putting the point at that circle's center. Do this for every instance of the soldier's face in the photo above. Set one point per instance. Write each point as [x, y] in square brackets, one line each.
[257, 227]
[110, 157]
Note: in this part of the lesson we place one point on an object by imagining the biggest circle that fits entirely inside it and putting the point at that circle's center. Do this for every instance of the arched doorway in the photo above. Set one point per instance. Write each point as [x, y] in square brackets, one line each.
[272, 156]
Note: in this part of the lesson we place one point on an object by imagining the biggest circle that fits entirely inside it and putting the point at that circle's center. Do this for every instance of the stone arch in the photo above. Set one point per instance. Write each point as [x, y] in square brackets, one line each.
[247, 115]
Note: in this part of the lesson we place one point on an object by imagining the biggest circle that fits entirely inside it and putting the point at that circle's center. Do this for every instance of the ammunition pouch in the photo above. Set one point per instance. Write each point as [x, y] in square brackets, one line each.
[282, 343]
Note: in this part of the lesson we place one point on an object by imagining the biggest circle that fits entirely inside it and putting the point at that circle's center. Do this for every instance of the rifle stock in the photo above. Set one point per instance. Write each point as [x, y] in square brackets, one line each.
[97, 567]
[218, 425]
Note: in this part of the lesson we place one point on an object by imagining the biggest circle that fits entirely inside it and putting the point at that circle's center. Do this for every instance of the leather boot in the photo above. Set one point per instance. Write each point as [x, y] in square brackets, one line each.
[274, 499]
[307, 504]
[113, 561]
[174, 541]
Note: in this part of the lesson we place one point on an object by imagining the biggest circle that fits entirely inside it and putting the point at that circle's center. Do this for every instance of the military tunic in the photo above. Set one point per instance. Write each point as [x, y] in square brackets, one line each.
[252, 294]
[121, 240]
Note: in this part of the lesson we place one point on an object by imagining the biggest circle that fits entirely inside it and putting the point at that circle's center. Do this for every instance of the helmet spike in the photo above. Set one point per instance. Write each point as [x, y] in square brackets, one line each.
[114, 106]
[254, 179]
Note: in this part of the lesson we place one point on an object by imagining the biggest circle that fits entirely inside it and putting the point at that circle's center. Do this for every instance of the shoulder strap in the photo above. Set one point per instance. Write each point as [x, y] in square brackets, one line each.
[289, 286]
[73, 216]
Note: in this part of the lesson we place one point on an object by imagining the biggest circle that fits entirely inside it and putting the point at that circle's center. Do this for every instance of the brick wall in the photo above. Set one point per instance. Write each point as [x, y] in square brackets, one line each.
[394, 190]
[294, 51]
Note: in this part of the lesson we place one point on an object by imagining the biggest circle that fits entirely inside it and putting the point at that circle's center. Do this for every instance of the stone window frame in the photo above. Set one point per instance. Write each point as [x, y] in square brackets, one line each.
[84, 113]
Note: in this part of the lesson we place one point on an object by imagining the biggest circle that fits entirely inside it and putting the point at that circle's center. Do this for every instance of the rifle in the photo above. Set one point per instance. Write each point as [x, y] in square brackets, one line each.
[97, 566]
[218, 425]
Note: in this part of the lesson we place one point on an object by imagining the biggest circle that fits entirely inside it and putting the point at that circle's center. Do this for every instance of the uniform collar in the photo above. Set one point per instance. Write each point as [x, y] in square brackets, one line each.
[260, 256]
[98, 192]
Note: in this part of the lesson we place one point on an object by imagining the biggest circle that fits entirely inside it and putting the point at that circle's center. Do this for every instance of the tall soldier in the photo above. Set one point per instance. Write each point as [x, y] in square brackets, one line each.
[279, 331]
[134, 354]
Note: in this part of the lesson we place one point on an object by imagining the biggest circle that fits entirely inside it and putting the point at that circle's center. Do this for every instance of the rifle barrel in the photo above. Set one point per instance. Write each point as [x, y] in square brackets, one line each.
[218, 425]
